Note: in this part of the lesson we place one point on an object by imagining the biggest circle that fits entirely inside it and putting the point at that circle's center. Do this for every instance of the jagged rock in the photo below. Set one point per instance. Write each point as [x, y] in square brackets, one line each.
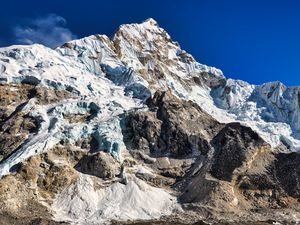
[14, 131]
[276, 181]
[24, 195]
[100, 164]
[172, 168]
[234, 146]
[15, 125]
[287, 172]
[57, 178]
[239, 152]
[156, 180]
[175, 127]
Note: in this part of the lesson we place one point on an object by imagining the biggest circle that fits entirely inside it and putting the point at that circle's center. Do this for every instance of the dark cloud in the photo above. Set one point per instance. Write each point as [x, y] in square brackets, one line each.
[50, 31]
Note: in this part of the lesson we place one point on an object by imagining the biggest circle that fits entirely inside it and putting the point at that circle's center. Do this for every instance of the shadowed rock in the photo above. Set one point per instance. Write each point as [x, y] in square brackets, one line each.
[234, 145]
[172, 127]
[287, 167]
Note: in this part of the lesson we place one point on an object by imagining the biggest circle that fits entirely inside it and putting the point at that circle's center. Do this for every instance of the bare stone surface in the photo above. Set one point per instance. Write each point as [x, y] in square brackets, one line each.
[177, 128]
[100, 164]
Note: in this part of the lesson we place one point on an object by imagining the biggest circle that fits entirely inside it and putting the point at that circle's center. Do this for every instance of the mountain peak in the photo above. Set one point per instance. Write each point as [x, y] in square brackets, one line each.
[136, 29]
[150, 21]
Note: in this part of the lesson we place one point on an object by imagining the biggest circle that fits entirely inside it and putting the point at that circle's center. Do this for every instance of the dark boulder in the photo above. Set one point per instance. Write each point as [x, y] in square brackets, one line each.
[100, 164]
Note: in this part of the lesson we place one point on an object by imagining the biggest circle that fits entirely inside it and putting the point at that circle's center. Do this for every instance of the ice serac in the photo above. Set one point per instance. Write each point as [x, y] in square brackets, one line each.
[272, 109]
[92, 96]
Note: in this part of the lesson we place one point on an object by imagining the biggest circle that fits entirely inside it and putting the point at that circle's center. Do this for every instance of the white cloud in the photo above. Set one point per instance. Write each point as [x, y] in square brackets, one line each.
[50, 31]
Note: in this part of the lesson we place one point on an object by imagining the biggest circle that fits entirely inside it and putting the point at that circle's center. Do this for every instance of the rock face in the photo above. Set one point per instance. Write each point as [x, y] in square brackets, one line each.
[287, 173]
[132, 130]
[249, 177]
[234, 145]
[101, 164]
[17, 123]
[171, 127]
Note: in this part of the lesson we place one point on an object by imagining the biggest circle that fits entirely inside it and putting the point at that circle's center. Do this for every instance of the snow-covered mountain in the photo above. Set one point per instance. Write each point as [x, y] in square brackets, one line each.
[61, 107]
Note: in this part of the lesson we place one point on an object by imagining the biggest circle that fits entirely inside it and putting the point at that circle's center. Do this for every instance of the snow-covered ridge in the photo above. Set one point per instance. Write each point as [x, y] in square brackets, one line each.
[271, 108]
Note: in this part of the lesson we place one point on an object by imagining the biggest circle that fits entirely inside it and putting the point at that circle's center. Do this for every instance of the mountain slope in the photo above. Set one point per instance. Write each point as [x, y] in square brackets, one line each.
[132, 128]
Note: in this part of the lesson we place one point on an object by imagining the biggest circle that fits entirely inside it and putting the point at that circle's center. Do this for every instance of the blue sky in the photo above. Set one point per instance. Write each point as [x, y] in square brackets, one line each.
[256, 41]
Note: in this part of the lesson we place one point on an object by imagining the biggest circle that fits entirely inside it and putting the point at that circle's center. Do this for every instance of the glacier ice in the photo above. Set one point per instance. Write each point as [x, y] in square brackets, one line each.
[109, 137]
[272, 109]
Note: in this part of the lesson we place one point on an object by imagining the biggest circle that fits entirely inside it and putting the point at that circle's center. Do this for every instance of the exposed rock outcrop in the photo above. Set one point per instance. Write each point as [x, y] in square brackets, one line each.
[234, 146]
[100, 164]
[171, 127]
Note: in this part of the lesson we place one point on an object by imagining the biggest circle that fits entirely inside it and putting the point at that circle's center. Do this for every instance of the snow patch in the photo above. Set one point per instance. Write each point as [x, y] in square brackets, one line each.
[83, 203]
